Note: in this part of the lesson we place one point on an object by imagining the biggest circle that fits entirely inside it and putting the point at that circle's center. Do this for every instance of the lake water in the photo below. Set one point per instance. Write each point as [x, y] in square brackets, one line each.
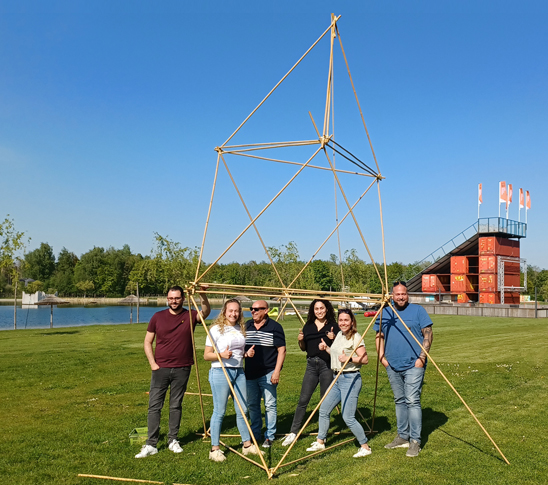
[75, 316]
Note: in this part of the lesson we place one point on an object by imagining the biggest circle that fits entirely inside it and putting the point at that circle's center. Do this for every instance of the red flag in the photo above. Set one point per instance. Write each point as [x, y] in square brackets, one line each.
[480, 198]
[528, 197]
[509, 198]
[521, 204]
[503, 196]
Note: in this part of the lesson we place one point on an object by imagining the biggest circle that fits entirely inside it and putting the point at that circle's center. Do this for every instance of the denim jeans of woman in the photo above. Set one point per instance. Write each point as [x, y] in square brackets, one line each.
[221, 391]
[346, 391]
[316, 372]
[407, 387]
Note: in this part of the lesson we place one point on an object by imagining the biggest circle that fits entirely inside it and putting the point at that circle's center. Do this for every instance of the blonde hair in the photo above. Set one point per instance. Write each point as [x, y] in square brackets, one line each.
[221, 320]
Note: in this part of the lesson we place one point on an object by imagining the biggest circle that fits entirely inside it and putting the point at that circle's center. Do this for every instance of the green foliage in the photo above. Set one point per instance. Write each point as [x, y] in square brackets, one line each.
[85, 286]
[11, 243]
[40, 264]
[33, 287]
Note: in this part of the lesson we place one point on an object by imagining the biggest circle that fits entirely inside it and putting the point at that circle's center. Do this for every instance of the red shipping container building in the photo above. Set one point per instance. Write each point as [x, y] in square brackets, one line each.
[459, 265]
[489, 282]
[493, 298]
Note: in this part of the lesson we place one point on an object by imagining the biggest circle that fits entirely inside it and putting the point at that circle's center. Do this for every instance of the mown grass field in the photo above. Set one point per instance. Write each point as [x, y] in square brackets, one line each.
[69, 398]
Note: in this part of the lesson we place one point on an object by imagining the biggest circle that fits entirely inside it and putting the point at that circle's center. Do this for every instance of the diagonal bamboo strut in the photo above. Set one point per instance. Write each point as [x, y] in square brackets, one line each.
[385, 290]
[234, 394]
[191, 300]
[280, 82]
[117, 479]
[302, 458]
[354, 217]
[357, 100]
[258, 215]
[207, 220]
[256, 228]
[331, 234]
[449, 383]
[315, 410]
[289, 162]
[265, 468]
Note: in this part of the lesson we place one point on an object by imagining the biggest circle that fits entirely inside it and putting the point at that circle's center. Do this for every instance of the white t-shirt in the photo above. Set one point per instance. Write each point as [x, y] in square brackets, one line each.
[233, 338]
[342, 344]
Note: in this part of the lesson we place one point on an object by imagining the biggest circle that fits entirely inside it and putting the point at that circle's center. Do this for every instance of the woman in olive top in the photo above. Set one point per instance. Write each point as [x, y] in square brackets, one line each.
[320, 324]
[347, 387]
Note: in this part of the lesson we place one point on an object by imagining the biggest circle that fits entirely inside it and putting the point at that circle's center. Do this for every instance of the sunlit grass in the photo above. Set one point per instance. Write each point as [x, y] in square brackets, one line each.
[69, 398]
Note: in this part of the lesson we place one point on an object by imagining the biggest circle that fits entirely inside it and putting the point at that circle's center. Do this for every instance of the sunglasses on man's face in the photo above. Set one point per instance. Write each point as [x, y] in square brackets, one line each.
[256, 309]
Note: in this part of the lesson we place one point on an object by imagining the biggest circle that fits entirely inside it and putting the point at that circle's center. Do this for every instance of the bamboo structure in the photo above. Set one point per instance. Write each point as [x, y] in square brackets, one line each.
[286, 291]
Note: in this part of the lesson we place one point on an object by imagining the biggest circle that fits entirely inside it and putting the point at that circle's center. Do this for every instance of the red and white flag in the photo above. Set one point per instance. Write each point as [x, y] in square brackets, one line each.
[480, 197]
[503, 195]
[509, 197]
[521, 201]
[528, 198]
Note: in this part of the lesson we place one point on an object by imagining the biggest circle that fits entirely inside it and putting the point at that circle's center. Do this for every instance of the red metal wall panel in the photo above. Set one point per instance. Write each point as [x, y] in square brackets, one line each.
[492, 298]
[489, 282]
[498, 246]
[487, 264]
[459, 265]
[433, 283]
[462, 298]
[461, 284]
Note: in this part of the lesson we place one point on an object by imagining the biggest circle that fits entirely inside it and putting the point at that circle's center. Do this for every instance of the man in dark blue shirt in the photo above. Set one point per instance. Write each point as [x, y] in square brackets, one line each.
[264, 358]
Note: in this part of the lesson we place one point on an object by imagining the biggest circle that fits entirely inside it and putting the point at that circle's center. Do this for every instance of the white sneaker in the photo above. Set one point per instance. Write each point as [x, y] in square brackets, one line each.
[251, 450]
[362, 452]
[217, 455]
[316, 447]
[175, 447]
[289, 439]
[146, 450]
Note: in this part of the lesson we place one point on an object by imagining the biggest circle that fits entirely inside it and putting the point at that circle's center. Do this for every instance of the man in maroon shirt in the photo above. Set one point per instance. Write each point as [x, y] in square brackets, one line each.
[170, 363]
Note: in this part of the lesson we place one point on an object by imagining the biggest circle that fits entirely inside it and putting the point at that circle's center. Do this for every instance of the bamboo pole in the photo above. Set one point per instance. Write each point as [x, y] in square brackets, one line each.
[207, 219]
[331, 234]
[354, 217]
[289, 162]
[234, 394]
[118, 479]
[257, 216]
[280, 82]
[324, 396]
[200, 316]
[357, 100]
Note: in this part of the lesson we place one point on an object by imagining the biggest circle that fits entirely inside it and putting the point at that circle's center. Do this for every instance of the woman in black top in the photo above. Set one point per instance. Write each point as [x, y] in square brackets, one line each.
[320, 324]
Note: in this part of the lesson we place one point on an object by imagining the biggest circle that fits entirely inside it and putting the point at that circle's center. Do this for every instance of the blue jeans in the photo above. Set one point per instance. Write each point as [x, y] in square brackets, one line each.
[316, 371]
[221, 391]
[345, 391]
[176, 379]
[257, 388]
[407, 387]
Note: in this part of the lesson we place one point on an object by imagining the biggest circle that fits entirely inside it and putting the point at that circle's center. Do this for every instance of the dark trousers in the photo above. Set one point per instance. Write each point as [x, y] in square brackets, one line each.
[176, 379]
[316, 371]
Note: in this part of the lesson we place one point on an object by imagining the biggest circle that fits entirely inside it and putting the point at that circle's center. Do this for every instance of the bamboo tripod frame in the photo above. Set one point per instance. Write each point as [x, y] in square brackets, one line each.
[286, 291]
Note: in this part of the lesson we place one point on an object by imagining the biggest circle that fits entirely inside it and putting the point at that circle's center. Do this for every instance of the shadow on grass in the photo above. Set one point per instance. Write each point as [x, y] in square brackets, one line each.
[431, 420]
[488, 453]
[61, 332]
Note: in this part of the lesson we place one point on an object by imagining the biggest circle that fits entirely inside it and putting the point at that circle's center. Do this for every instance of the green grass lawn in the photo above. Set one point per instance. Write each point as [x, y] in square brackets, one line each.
[69, 398]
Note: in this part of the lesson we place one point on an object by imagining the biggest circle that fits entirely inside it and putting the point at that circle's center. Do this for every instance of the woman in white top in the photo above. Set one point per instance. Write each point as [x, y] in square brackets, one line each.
[347, 387]
[228, 339]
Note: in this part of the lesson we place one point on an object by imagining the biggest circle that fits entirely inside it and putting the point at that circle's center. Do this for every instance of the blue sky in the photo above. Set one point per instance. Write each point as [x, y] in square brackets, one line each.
[110, 112]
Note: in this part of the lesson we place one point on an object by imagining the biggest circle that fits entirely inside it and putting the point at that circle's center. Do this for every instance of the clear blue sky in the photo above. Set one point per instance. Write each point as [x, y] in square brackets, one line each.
[110, 112]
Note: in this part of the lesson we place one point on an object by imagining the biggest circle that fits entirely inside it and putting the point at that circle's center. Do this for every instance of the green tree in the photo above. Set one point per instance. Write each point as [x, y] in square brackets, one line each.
[63, 277]
[11, 242]
[85, 286]
[40, 264]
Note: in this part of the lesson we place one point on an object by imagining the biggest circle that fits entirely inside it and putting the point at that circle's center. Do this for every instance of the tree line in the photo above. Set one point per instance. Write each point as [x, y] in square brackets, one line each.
[116, 272]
